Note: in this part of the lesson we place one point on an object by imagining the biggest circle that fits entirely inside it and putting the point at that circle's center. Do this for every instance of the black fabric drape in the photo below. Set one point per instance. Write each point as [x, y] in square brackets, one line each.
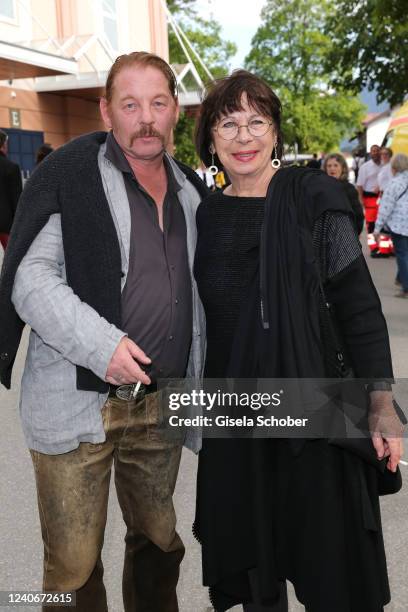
[283, 341]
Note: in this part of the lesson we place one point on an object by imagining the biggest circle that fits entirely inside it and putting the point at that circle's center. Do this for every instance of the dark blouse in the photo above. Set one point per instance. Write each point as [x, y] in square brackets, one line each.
[227, 258]
[226, 262]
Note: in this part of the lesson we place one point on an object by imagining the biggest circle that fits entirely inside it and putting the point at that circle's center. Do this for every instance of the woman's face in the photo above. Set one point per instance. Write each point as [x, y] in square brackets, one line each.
[333, 168]
[245, 154]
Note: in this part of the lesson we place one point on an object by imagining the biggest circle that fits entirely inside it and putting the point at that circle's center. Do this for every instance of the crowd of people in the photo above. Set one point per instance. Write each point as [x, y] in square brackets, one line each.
[129, 269]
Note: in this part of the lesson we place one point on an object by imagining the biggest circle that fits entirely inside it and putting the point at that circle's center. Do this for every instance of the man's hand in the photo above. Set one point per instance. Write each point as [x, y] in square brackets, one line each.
[124, 368]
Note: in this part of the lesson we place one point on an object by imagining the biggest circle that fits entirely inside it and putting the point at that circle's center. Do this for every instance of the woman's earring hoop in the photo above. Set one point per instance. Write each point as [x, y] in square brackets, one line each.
[213, 170]
[276, 162]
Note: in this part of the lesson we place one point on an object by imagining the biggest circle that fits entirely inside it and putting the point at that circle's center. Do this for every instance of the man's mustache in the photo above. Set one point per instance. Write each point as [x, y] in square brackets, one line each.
[146, 131]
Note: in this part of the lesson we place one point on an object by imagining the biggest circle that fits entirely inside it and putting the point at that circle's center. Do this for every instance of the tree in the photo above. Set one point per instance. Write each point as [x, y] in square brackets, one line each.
[184, 141]
[288, 51]
[369, 47]
[206, 37]
[176, 6]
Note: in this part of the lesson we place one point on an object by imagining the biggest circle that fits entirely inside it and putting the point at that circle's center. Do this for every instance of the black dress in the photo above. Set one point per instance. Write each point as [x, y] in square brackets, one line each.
[261, 506]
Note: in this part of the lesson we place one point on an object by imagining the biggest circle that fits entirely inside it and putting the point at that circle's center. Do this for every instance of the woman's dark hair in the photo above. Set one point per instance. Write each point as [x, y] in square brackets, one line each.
[42, 152]
[225, 96]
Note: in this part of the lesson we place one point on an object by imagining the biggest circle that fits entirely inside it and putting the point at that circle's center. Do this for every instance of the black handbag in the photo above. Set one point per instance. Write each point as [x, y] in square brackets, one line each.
[337, 365]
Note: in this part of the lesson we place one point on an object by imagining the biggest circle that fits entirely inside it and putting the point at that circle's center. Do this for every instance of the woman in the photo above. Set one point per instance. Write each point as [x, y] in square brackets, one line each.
[335, 165]
[393, 212]
[42, 152]
[272, 509]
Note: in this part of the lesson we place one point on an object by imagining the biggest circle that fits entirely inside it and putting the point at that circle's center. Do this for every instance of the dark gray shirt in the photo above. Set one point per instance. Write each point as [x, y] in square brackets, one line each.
[156, 300]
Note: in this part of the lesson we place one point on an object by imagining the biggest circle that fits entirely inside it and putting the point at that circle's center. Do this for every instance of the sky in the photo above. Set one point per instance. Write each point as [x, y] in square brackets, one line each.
[239, 19]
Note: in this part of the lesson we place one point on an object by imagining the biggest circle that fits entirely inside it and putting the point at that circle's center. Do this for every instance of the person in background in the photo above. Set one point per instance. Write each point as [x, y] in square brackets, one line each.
[367, 186]
[10, 190]
[42, 152]
[335, 165]
[358, 161]
[313, 163]
[385, 174]
[393, 213]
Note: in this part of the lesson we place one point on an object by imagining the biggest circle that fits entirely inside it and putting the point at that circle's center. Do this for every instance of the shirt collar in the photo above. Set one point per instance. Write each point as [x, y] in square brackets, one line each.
[115, 154]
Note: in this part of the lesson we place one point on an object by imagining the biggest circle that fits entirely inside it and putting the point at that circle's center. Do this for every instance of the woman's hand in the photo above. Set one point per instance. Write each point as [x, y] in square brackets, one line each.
[386, 428]
[388, 447]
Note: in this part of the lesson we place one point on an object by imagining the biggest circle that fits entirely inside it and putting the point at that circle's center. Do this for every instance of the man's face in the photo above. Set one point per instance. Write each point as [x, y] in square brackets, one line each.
[375, 153]
[142, 112]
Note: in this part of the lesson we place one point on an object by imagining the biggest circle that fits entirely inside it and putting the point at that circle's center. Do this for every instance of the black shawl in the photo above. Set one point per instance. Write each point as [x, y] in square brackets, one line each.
[284, 340]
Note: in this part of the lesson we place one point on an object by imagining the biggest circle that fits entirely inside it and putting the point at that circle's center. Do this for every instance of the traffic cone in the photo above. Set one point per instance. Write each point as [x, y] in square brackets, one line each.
[385, 246]
[372, 243]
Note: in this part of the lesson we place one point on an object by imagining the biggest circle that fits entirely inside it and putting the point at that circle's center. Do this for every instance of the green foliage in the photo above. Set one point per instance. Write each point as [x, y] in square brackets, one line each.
[369, 47]
[321, 122]
[289, 45]
[175, 6]
[289, 51]
[206, 37]
[184, 141]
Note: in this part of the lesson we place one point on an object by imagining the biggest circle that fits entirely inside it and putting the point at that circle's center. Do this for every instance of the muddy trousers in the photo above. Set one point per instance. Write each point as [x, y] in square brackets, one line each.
[73, 489]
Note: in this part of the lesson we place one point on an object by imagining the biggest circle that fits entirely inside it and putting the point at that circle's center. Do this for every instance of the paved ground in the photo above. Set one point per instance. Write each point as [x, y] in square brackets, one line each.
[20, 542]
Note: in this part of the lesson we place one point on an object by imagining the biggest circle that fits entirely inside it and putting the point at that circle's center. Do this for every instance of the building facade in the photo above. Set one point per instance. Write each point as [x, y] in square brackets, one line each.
[54, 58]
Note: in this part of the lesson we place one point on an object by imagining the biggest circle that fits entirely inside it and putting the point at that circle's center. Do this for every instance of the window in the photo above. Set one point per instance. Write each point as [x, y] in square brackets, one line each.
[7, 9]
[110, 22]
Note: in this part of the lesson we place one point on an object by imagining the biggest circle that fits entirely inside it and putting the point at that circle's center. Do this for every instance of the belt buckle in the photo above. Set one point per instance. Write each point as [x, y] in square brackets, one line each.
[131, 392]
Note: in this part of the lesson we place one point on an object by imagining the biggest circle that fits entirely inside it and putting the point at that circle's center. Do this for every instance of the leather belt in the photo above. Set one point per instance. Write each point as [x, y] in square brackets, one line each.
[135, 391]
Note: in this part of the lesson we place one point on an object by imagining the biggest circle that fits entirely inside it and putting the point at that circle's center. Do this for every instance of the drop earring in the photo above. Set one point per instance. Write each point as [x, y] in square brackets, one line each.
[276, 162]
[213, 169]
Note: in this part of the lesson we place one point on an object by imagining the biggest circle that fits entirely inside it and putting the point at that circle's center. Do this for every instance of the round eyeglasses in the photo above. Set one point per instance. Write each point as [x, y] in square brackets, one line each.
[228, 129]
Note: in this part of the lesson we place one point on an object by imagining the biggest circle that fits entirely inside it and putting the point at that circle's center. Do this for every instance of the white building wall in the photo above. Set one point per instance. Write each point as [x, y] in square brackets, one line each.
[376, 131]
[20, 28]
[141, 26]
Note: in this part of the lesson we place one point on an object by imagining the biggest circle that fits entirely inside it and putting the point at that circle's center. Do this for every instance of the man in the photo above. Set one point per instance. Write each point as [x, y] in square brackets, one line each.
[10, 190]
[107, 225]
[367, 186]
[313, 163]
